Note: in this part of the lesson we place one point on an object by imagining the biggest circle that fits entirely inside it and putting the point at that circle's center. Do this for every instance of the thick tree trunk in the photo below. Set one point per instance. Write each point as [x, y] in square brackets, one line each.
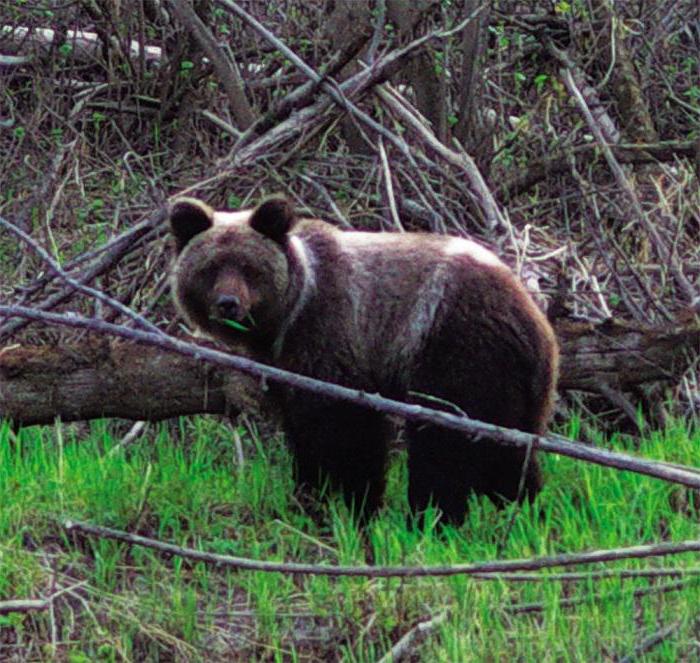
[116, 379]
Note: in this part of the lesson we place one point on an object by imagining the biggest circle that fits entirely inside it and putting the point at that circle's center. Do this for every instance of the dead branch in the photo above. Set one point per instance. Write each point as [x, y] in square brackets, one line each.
[651, 642]
[582, 576]
[572, 602]
[402, 571]
[24, 605]
[77, 285]
[496, 434]
[77, 381]
[408, 639]
[493, 215]
[625, 153]
[226, 68]
[305, 123]
[85, 45]
[99, 261]
[601, 131]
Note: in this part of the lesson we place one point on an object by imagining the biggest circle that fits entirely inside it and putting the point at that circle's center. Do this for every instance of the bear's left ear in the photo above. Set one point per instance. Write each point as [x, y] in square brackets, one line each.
[273, 218]
[188, 218]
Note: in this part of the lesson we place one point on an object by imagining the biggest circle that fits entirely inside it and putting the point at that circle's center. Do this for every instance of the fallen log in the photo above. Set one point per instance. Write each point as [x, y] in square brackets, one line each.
[110, 378]
[89, 380]
[622, 355]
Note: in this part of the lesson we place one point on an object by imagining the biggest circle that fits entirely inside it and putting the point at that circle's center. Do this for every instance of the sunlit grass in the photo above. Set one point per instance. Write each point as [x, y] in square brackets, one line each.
[183, 484]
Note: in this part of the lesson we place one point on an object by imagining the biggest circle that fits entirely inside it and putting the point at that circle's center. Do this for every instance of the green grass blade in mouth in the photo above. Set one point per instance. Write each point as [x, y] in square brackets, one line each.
[236, 325]
[239, 326]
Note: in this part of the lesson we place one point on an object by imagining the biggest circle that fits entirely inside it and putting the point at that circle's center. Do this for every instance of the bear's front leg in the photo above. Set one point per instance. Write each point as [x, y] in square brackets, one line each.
[342, 445]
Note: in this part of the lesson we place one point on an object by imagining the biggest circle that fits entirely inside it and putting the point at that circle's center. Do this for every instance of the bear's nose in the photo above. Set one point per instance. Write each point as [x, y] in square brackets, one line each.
[228, 307]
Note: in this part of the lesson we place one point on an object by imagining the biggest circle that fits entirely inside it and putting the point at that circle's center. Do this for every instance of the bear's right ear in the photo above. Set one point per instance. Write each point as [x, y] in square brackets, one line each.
[188, 218]
[273, 218]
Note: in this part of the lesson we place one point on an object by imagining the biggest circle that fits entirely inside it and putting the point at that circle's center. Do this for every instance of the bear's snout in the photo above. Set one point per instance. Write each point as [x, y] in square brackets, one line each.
[229, 307]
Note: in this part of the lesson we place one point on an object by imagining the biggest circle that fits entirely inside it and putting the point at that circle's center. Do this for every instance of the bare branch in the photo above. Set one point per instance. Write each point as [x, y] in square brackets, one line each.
[652, 641]
[56, 268]
[601, 136]
[572, 602]
[24, 605]
[479, 430]
[625, 153]
[226, 69]
[493, 215]
[247, 564]
[408, 640]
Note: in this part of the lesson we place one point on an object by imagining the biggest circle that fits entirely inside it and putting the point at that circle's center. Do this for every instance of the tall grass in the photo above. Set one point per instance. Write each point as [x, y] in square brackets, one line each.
[182, 483]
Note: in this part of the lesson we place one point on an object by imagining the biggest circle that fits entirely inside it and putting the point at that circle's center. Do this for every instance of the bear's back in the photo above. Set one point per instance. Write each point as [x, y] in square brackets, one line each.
[378, 298]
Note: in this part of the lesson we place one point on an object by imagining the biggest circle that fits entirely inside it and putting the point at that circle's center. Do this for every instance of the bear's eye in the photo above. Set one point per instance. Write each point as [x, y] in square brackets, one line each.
[250, 273]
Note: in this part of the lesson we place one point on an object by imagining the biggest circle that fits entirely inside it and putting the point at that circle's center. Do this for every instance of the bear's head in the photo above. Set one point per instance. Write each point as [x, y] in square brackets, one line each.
[231, 274]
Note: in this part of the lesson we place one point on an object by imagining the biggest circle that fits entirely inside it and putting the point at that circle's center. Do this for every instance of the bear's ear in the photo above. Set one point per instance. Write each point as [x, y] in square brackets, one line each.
[188, 218]
[273, 218]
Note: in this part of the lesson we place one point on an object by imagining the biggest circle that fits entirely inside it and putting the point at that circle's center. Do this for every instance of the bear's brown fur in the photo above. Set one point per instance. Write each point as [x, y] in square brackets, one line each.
[424, 318]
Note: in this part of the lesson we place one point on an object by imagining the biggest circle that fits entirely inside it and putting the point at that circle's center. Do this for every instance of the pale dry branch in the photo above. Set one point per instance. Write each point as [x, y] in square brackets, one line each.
[409, 639]
[403, 571]
[24, 605]
[478, 430]
[85, 45]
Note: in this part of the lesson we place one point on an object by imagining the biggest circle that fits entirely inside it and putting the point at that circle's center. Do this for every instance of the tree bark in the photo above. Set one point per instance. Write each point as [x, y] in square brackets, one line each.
[96, 379]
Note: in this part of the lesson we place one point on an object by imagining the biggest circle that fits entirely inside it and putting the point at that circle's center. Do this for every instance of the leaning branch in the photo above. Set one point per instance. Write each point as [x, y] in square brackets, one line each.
[226, 69]
[89, 379]
[666, 254]
[476, 429]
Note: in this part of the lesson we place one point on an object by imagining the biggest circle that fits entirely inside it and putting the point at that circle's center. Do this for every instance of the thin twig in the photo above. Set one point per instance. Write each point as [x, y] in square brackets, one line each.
[652, 641]
[529, 608]
[420, 630]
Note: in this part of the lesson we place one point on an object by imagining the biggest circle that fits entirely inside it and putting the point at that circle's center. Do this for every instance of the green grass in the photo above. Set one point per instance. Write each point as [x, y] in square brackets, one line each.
[183, 484]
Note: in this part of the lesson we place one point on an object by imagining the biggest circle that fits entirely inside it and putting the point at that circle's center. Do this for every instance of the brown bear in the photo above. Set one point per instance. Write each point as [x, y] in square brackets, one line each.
[423, 318]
